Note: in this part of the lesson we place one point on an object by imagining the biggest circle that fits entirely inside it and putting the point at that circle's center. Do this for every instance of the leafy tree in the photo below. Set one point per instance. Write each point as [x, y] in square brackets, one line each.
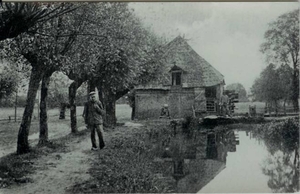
[239, 88]
[68, 28]
[8, 82]
[282, 46]
[80, 60]
[285, 75]
[124, 62]
[274, 85]
[113, 58]
[58, 89]
[43, 50]
[17, 18]
[267, 86]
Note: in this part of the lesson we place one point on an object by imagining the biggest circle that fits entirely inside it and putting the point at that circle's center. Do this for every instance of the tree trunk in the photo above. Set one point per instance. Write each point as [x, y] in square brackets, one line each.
[295, 94]
[43, 138]
[72, 97]
[111, 119]
[35, 78]
[110, 107]
[296, 158]
[133, 112]
[101, 96]
[91, 86]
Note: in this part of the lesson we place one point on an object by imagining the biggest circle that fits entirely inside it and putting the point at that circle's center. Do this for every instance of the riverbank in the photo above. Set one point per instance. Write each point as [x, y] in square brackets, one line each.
[151, 158]
[127, 164]
[146, 156]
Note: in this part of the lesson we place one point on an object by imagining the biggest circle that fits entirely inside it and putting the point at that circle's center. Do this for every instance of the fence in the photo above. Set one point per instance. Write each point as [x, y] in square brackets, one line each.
[8, 114]
[288, 111]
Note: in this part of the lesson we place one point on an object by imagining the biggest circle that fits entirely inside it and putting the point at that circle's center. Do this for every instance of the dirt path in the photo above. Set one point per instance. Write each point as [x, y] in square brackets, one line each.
[58, 171]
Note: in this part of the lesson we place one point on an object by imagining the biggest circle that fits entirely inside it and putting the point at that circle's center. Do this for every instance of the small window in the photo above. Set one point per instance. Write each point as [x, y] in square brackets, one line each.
[176, 78]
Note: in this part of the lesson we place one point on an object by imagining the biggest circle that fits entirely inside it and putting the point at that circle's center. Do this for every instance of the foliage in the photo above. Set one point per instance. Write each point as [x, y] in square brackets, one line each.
[116, 53]
[285, 74]
[283, 136]
[282, 166]
[43, 49]
[8, 82]
[58, 90]
[17, 18]
[114, 57]
[273, 84]
[17, 77]
[239, 88]
[111, 50]
[282, 39]
[283, 173]
[46, 44]
[281, 46]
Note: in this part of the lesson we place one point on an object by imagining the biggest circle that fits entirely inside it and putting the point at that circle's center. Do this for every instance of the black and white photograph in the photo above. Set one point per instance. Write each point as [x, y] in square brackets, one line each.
[149, 97]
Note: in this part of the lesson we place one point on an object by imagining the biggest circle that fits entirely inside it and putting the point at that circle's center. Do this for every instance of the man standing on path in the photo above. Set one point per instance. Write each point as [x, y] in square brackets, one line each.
[92, 113]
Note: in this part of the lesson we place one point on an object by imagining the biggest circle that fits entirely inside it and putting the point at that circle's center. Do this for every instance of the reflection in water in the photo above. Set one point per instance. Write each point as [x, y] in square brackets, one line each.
[219, 143]
[231, 161]
[243, 171]
[282, 164]
[197, 160]
[283, 172]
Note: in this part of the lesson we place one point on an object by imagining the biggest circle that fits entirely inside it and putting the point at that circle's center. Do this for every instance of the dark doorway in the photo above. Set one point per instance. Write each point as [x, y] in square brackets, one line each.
[211, 92]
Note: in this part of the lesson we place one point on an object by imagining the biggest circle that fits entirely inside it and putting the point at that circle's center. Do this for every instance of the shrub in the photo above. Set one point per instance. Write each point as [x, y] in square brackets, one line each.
[283, 135]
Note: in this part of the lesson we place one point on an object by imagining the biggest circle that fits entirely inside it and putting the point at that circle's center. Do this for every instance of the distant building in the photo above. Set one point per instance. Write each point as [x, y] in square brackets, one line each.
[188, 84]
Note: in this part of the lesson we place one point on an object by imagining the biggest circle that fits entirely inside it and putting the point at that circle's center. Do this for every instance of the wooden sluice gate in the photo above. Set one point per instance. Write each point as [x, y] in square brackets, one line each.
[214, 120]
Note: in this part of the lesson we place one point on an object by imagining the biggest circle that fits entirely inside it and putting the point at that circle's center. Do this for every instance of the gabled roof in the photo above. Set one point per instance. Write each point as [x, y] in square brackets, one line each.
[204, 73]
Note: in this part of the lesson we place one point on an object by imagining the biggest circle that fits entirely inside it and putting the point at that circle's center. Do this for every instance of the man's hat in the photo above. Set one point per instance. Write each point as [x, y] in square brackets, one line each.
[92, 93]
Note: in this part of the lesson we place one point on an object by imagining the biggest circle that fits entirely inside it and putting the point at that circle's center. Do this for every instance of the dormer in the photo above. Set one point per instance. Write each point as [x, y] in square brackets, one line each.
[176, 73]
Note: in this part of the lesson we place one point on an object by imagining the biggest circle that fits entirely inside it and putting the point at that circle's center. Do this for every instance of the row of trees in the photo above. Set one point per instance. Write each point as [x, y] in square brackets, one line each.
[102, 44]
[274, 86]
[281, 47]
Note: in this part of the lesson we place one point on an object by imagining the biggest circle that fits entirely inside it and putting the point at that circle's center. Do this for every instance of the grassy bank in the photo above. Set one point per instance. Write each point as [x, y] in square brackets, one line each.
[141, 160]
[280, 135]
[126, 164]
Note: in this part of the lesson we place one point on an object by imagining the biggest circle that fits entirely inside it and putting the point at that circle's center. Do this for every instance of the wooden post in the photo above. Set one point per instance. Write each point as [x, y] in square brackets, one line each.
[16, 101]
[38, 115]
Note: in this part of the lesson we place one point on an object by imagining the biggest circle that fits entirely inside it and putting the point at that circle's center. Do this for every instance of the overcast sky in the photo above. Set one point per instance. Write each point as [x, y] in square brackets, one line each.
[227, 35]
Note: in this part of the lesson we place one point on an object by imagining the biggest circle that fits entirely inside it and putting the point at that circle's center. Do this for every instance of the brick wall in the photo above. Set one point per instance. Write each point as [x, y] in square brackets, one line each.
[149, 102]
[181, 101]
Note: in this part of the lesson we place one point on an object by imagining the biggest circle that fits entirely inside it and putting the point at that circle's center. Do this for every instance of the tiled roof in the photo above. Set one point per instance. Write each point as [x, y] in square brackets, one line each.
[193, 62]
[179, 55]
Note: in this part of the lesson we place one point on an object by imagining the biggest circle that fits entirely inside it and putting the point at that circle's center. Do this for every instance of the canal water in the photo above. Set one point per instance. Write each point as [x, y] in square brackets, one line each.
[255, 168]
[243, 171]
[235, 160]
